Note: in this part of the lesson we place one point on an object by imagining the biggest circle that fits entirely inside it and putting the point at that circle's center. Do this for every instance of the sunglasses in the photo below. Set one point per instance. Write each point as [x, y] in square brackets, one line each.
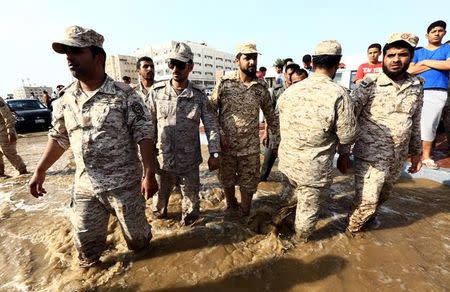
[174, 63]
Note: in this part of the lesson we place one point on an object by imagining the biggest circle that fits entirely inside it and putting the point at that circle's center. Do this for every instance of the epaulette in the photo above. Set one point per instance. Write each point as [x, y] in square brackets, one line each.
[196, 87]
[263, 83]
[123, 86]
[367, 81]
[159, 84]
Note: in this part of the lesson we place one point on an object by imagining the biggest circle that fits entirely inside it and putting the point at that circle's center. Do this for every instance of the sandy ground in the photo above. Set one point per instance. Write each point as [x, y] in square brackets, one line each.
[408, 247]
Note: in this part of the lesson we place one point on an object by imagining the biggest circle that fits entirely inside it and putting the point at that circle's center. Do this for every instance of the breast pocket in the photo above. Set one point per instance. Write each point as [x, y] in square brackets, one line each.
[192, 112]
[106, 114]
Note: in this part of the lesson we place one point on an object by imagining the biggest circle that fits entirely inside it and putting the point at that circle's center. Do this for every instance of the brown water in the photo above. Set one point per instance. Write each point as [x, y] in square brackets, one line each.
[407, 249]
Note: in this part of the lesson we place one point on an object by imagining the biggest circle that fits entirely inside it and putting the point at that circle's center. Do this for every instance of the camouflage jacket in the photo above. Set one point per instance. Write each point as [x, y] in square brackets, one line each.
[238, 106]
[315, 115]
[388, 117]
[178, 119]
[7, 120]
[103, 132]
[141, 90]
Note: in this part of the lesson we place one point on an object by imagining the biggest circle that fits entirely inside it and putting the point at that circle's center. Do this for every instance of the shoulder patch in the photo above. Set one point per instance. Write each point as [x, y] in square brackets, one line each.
[159, 84]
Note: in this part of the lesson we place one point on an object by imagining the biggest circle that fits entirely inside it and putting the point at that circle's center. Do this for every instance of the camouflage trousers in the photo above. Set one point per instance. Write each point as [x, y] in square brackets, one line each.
[90, 216]
[190, 186]
[10, 151]
[374, 182]
[240, 170]
[309, 200]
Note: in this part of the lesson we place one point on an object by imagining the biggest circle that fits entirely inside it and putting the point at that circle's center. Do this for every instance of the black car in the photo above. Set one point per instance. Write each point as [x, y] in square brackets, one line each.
[30, 114]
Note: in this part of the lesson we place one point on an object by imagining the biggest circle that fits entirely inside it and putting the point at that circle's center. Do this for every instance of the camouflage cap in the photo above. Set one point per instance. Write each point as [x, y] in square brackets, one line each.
[80, 37]
[181, 52]
[407, 37]
[246, 48]
[329, 47]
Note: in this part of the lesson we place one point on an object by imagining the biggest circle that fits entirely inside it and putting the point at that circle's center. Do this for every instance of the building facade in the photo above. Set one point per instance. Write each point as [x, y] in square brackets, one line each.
[29, 91]
[118, 66]
[207, 61]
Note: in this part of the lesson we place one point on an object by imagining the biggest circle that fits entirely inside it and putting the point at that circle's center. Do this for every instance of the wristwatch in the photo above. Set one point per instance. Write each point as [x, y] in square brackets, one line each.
[215, 155]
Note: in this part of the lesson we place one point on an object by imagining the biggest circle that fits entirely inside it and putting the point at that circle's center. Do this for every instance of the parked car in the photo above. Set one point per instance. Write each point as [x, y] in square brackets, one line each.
[30, 114]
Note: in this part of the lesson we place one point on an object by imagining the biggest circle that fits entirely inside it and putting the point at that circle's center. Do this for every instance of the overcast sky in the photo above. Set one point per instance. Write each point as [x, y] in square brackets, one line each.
[279, 28]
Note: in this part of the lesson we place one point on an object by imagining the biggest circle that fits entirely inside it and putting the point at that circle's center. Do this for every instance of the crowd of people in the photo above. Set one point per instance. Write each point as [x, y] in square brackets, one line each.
[135, 143]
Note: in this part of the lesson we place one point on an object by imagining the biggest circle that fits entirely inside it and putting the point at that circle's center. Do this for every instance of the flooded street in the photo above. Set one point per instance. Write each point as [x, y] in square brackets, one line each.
[406, 248]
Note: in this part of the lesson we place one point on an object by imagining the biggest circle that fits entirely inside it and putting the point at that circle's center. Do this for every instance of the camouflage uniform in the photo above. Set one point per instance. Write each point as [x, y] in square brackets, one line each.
[315, 115]
[238, 105]
[103, 131]
[141, 90]
[178, 119]
[388, 130]
[7, 124]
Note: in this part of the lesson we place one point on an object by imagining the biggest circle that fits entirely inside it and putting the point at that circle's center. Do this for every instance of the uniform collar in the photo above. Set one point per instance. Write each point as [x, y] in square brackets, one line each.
[106, 88]
[188, 92]
[384, 80]
[320, 76]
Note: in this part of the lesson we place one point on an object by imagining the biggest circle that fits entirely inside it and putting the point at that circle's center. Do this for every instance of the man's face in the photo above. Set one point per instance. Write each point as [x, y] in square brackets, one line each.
[297, 78]
[287, 77]
[373, 54]
[279, 69]
[436, 35]
[146, 70]
[180, 70]
[396, 62]
[247, 64]
[81, 62]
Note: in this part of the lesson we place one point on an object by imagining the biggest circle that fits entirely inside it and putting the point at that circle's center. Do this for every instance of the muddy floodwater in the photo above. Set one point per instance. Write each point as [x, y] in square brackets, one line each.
[406, 248]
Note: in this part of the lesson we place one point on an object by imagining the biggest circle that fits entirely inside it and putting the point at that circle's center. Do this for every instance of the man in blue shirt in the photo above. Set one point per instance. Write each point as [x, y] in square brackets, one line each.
[433, 64]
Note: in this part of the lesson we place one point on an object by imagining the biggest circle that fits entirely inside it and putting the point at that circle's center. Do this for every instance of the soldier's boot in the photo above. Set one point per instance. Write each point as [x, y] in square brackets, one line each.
[246, 203]
[232, 203]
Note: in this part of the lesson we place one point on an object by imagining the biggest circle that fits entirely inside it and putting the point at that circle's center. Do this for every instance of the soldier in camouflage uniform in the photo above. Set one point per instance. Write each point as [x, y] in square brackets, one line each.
[388, 111]
[102, 121]
[315, 115]
[146, 71]
[292, 71]
[238, 98]
[8, 138]
[177, 106]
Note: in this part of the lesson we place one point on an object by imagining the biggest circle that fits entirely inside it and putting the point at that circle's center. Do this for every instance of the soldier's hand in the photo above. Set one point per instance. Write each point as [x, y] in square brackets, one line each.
[149, 186]
[343, 163]
[416, 164]
[265, 139]
[35, 184]
[213, 163]
[12, 138]
[224, 143]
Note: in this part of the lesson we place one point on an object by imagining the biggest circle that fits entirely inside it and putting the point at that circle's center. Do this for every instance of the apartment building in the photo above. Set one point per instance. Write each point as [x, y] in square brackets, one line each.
[207, 61]
[118, 66]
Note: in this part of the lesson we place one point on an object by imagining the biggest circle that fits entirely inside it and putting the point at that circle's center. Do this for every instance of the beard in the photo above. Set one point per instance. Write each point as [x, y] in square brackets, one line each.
[250, 71]
[394, 75]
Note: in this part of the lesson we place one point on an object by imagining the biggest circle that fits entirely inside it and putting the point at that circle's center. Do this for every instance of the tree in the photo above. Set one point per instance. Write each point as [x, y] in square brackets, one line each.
[278, 62]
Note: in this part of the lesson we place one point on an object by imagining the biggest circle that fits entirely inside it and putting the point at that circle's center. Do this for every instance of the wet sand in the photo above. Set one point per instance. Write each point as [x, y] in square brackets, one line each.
[408, 247]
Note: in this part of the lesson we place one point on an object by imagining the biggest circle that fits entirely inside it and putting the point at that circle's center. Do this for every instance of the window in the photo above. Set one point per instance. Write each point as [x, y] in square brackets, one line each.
[219, 67]
[219, 59]
[208, 65]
